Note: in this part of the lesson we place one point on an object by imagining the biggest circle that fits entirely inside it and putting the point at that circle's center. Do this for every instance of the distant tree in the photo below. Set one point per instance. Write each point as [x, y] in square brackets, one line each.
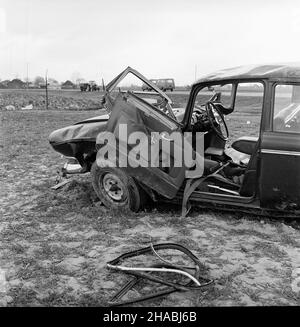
[16, 83]
[39, 80]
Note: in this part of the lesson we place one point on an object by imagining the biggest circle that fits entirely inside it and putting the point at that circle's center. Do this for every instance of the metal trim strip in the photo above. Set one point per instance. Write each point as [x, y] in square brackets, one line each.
[289, 153]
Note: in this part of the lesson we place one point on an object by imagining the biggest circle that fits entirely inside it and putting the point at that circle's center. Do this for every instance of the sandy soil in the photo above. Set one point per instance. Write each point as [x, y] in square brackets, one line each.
[54, 245]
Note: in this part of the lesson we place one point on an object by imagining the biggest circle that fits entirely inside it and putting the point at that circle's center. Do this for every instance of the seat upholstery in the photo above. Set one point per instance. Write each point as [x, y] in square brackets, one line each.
[245, 144]
[213, 151]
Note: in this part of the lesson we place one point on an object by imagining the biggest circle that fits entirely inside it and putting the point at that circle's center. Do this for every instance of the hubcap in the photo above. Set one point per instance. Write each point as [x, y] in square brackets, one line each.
[113, 187]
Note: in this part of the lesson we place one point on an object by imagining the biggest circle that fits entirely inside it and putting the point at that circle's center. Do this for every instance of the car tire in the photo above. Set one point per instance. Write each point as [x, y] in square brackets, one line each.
[116, 189]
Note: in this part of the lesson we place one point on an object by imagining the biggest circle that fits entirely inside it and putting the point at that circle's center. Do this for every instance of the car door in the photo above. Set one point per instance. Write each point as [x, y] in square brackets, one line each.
[280, 150]
[136, 115]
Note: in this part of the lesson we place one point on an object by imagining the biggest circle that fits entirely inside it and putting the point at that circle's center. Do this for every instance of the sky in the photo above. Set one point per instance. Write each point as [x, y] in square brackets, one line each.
[180, 39]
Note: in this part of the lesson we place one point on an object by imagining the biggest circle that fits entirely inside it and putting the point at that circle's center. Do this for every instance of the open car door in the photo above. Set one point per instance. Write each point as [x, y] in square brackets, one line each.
[108, 100]
[140, 130]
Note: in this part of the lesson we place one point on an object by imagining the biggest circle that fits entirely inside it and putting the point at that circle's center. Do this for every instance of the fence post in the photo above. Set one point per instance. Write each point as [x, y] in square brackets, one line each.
[46, 80]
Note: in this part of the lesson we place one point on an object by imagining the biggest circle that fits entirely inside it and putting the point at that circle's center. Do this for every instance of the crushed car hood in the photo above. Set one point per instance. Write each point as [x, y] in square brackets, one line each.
[86, 130]
[100, 118]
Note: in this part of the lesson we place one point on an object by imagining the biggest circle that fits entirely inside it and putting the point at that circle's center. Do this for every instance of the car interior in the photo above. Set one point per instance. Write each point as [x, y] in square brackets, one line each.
[227, 170]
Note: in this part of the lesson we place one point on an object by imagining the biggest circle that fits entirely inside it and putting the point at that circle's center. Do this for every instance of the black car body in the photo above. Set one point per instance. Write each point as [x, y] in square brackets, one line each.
[271, 176]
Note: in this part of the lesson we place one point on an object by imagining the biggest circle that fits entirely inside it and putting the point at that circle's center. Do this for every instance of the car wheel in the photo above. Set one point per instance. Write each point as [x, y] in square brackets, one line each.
[116, 189]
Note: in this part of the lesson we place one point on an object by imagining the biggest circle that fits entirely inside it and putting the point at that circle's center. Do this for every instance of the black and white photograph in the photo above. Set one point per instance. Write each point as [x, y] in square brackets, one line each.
[150, 156]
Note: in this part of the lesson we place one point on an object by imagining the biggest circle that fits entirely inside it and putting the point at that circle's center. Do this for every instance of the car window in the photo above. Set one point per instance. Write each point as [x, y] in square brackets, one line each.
[207, 93]
[246, 116]
[157, 115]
[286, 113]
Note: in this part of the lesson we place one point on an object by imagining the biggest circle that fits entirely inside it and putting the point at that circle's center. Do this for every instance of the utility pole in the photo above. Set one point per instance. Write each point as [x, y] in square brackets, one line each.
[27, 81]
[46, 80]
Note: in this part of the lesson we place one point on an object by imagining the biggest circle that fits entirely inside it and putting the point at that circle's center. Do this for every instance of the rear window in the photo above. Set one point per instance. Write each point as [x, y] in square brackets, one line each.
[286, 113]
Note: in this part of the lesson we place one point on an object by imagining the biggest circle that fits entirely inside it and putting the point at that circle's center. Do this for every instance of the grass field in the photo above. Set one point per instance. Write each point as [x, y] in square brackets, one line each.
[54, 244]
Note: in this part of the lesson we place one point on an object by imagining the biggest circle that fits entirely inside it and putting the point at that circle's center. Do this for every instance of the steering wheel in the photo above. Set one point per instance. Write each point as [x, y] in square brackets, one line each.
[215, 116]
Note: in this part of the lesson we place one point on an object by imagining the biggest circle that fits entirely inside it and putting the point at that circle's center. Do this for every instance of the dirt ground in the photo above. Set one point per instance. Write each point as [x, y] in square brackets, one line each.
[54, 245]
[57, 99]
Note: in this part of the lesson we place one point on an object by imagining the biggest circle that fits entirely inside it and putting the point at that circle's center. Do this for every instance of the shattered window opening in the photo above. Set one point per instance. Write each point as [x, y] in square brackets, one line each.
[287, 108]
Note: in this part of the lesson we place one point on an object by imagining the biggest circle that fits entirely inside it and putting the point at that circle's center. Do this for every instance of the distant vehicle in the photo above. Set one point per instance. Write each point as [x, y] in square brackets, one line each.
[84, 87]
[88, 87]
[165, 84]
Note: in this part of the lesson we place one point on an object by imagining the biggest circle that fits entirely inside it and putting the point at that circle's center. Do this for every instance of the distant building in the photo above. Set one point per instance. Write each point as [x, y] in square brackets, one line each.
[30, 85]
[52, 85]
[68, 85]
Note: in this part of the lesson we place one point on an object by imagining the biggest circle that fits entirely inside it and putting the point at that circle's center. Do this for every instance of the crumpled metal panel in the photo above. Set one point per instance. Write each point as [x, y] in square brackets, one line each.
[125, 112]
[85, 131]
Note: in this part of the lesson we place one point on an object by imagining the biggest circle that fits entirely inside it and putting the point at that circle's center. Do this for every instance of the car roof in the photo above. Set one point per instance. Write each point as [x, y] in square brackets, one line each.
[268, 71]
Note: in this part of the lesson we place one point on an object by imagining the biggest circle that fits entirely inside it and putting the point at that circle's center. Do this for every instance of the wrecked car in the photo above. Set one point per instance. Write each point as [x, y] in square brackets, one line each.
[252, 172]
